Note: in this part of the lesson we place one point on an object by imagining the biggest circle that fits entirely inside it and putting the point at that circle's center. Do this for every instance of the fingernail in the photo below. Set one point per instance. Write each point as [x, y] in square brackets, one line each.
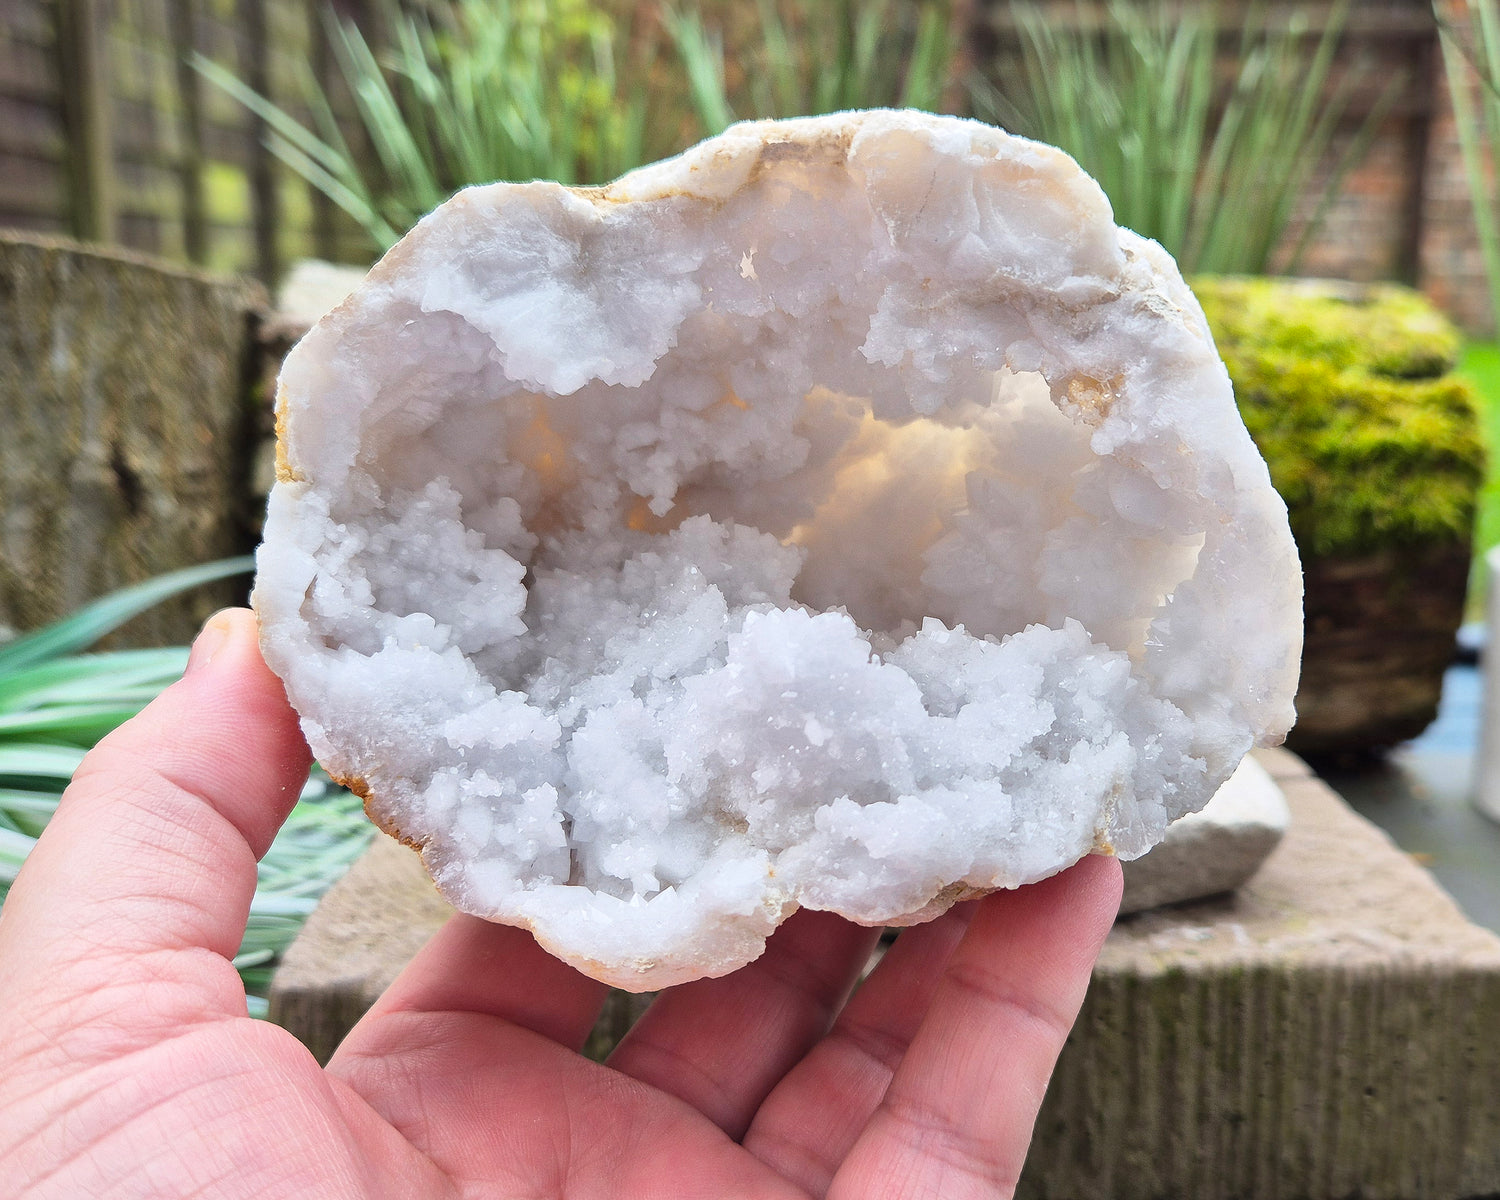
[208, 643]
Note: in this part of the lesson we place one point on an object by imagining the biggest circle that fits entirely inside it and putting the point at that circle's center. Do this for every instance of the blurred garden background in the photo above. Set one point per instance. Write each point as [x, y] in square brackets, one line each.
[181, 181]
[1324, 172]
[1321, 137]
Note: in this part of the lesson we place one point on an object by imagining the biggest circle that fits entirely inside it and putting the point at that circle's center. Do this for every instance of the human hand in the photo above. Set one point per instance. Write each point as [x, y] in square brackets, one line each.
[132, 1069]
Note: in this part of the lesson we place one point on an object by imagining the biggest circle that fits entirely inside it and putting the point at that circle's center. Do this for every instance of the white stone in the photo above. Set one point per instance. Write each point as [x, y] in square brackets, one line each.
[313, 288]
[1214, 850]
[845, 514]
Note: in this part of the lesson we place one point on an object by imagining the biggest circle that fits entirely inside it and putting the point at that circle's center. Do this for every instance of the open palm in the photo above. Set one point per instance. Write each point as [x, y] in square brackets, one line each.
[132, 1069]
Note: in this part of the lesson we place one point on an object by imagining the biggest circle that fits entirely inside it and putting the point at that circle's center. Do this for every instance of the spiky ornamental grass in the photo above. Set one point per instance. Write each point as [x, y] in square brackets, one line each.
[1215, 173]
[484, 90]
[470, 92]
[1471, 60]
[56, 702]
[814, 57]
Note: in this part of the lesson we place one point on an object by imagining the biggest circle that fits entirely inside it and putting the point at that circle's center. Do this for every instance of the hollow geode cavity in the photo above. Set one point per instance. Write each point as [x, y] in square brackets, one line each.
[845, 514]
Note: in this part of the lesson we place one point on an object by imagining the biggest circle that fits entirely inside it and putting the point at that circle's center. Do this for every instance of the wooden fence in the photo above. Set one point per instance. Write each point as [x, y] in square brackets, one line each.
[107, 133]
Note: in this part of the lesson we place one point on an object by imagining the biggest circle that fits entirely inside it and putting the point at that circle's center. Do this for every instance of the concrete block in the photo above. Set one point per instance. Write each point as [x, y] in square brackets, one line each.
[1328, 1031]
[122, 430]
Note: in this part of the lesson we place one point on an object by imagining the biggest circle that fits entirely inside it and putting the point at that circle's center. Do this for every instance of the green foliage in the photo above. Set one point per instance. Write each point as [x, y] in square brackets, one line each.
[1480, 365]
[1471, 52]
[1215, 177]
[1348, 393]
[478, 90]
[108, 613]
[469, 92]
[56, 703]
[814, 57]
[1386, 330]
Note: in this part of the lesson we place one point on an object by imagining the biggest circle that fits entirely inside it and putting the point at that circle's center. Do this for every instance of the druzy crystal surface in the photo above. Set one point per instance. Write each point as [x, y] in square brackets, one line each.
[844, 514]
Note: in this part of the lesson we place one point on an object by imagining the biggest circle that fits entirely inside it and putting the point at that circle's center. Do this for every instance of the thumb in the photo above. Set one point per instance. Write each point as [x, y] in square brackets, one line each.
[150, 859]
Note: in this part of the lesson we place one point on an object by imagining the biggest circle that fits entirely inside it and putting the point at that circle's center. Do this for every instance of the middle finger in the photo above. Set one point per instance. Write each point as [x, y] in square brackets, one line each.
[722, 1044]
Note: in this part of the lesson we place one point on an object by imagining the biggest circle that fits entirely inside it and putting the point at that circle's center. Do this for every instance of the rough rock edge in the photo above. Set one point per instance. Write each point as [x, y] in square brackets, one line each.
[738, 158]
[628, 978]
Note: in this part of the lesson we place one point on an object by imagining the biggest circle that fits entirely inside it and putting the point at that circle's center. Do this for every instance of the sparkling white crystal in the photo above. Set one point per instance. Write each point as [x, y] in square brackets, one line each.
[844, 514]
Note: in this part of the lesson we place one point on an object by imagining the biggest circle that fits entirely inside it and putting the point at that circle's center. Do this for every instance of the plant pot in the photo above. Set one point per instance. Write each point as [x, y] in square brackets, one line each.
[1380, 634]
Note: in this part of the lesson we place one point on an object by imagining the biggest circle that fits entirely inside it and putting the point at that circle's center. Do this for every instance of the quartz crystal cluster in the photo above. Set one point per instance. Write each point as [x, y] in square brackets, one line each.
[844, 514]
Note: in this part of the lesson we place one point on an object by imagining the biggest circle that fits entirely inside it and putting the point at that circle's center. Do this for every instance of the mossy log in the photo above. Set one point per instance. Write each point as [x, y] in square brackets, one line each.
[1380, 634]
[124, 429]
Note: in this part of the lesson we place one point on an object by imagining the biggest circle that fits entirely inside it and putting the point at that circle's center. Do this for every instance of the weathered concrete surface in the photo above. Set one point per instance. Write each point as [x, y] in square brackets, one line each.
[1214, 850]
[124, 440]
[1328, 1031]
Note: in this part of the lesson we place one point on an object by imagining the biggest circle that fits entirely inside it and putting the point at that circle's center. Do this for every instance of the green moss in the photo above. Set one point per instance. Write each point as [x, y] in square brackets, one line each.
[1480, 365]
[1348, 392]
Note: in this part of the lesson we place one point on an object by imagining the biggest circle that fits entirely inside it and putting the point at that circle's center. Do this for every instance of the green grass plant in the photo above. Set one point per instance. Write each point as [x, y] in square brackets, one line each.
[464, 93]
[56, 702]
[483, 90]
[1471, 55]
[813, 57]
[1213, 172]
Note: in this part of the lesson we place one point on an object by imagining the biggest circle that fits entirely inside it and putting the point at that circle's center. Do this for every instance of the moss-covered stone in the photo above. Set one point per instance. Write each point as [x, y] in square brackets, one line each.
[1376, 448]
[1347, 390]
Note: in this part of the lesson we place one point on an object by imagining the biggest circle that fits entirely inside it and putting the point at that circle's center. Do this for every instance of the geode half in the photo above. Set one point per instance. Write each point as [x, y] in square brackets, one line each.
[844, 514]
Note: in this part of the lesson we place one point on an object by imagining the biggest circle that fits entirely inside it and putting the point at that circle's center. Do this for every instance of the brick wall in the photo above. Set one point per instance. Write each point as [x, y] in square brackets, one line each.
[1403, 213]
[1452, 266]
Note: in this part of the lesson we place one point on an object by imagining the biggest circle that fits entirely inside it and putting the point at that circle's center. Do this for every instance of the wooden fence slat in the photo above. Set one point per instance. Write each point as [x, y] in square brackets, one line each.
[30, 130]
[325, 214]
[190, 125]
[30, 187]
[139, 103]
[1427, 66]
[255, 70]
[30, 21]
[28, 69]
[47, 223]
[226, 143]
[84, 71]
[136, 129]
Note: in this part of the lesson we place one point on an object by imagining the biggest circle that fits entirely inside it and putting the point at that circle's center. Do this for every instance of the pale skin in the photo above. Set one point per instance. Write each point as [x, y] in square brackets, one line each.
[131, 1067]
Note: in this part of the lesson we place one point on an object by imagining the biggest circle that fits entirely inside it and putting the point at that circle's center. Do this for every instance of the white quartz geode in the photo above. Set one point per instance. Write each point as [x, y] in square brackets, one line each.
[844, 514]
